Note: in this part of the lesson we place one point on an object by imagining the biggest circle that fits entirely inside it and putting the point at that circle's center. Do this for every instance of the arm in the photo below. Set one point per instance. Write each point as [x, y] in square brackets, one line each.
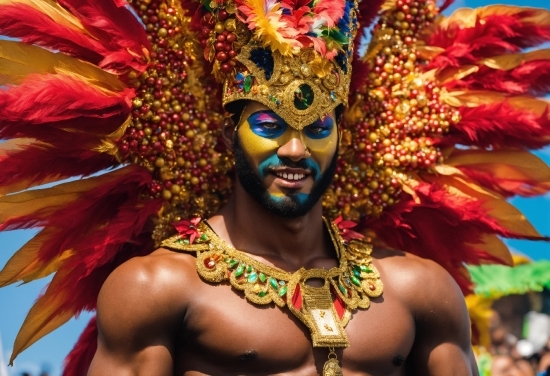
[442, 343]
[138, 319]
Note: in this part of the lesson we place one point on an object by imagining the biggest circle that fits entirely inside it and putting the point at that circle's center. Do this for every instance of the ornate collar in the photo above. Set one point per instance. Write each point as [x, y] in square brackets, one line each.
[325, 310]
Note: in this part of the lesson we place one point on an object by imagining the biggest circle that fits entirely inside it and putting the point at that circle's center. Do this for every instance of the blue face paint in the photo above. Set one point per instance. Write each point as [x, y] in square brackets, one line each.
[267, 124]
[320, 129]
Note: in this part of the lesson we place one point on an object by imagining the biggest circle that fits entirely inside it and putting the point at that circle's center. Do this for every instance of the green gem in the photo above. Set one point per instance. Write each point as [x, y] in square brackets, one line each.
[282, 291]
[239, 271]
[357, 272]
[186, 241]
[247, 85]
[263, 278]
[249, 269]
[261, 294]
[303, 97]
[233, 263]
[253, 277]
[179, 241]
[273, 283]
[355, 280]
[204, 237]
[365, 269]
[343, 289]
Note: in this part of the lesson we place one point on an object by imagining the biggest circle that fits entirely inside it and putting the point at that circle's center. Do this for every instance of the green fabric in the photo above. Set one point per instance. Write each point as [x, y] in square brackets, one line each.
[494, 281]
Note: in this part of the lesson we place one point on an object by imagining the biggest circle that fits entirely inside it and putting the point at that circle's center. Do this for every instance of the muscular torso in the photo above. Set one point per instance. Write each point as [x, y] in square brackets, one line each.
[223, 334]
[157, 316]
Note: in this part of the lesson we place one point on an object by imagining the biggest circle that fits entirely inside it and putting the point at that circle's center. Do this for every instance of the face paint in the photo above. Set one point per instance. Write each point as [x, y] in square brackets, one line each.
[291, 204]
[258, 144]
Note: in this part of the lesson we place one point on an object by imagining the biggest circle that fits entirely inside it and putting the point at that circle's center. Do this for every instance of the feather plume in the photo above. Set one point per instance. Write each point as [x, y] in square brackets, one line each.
[79, 359]
[26, 59]
[508, 172]
[24, 22]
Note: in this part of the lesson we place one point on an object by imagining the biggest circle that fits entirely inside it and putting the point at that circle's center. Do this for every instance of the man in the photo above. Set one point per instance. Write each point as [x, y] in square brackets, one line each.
[157, 316]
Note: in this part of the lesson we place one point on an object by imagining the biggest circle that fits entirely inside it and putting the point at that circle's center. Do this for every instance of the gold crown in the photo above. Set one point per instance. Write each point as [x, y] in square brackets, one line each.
[302, 77]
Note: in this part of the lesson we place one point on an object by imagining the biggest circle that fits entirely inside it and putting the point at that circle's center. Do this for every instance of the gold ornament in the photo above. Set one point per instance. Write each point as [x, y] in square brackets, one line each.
[354, 282]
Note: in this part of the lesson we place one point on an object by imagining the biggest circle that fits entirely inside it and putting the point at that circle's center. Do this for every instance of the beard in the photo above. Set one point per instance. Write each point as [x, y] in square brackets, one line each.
[293, 204]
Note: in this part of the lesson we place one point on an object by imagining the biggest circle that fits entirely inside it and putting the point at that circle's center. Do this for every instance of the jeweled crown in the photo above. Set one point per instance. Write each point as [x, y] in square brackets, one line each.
[293, 56]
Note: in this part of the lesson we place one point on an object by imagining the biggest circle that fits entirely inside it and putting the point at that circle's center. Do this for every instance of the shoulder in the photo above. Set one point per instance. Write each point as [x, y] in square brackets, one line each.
[147, 291]
[422, 284]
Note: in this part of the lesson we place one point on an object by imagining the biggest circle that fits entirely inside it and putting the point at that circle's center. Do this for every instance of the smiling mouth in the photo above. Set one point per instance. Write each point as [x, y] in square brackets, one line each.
[286, 176]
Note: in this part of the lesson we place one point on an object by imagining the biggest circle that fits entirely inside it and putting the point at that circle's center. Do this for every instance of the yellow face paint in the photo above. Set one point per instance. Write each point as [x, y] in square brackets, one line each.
[263, 133]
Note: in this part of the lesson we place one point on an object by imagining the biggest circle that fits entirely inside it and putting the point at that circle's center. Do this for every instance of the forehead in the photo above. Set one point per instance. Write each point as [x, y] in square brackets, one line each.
[253, 107]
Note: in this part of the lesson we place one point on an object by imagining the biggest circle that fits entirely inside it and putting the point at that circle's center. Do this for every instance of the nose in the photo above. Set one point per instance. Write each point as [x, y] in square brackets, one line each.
[294, 149]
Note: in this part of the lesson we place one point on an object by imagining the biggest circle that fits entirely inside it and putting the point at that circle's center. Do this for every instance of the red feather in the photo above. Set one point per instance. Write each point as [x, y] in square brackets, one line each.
[531, 78]
[31, 102]
[499, 125]
[34, 164]
[507, 186]
[460, 223]
[79, 359]
[496, 35]
[31, 26]
[116, 27]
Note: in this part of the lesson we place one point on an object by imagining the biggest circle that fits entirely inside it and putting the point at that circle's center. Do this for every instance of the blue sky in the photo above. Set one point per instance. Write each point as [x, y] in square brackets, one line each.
[49, 352]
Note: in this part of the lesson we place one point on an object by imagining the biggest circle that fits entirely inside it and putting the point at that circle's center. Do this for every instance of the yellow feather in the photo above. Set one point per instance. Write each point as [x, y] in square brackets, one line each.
[42, 319]
[511, 61]
[17, 60]
[25, 264]
[52, 9]
[475, 98]
[507, 215]
[468, 17]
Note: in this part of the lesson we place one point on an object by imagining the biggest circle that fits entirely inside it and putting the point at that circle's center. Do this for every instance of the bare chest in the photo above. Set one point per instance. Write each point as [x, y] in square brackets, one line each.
[226, 335]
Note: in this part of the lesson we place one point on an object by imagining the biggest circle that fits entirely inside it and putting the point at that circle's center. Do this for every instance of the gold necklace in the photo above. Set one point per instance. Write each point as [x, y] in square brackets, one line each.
[324, 310]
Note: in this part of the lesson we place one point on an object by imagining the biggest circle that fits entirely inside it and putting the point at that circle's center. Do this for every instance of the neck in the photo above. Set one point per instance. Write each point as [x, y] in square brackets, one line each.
[248, 226]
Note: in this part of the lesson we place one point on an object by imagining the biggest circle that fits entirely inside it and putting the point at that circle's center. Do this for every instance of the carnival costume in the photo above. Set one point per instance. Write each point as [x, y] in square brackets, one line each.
[130, 98]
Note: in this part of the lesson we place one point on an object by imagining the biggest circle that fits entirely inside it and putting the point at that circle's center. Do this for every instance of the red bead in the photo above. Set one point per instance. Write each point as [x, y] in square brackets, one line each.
[222, 15]
[231, 37]
[221, 56]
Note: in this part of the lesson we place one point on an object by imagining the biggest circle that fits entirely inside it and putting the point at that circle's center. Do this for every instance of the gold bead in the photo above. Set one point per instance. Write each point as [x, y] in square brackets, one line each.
[162, 32]
[219, 28]
[159, 162]
[166, 194]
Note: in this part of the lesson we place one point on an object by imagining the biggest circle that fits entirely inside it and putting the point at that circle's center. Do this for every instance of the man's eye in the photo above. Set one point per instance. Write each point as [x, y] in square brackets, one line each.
[270, 126]
[317, 129]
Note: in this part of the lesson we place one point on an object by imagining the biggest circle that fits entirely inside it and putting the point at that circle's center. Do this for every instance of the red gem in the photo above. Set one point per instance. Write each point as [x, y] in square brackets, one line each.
[371, 287]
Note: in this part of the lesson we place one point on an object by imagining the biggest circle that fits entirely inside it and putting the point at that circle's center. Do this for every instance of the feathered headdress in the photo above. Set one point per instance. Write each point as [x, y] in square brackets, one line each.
[442, 112]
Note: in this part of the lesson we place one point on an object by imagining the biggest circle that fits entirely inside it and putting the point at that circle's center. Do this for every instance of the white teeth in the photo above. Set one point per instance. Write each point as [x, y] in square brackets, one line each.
[284, 175]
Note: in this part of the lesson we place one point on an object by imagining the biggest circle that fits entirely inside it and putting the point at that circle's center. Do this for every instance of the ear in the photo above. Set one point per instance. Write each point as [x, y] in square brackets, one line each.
[228, 133]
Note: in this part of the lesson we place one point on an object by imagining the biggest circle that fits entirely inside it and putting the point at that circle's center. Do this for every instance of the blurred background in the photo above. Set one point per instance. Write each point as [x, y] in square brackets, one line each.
[512, 320]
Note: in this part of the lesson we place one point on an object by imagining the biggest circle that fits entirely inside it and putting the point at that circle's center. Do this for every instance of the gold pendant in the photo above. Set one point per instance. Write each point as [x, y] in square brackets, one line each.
[321, 318]
[332, 367]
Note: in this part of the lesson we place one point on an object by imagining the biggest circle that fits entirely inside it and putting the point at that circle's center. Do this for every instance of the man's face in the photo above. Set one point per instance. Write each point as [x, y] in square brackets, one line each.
[286, 170]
